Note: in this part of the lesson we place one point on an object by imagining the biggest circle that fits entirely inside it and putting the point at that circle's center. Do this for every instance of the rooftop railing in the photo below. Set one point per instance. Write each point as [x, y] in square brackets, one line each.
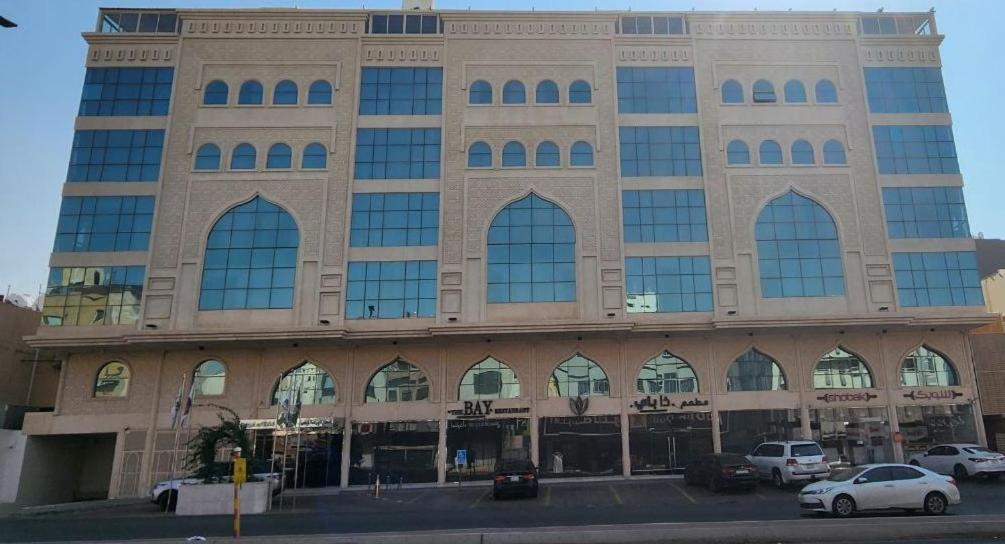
[896, 25]
[650, 24]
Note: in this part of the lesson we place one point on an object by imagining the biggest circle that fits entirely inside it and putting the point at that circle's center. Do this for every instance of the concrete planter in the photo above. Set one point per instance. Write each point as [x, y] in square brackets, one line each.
[218, 499]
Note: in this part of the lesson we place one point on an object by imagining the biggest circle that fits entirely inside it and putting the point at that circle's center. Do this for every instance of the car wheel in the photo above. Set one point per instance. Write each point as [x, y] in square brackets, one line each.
[167, 501]
[914, 463]
[713, 485]
[776, 479]
[936, 504]
[960, 472]
[843, 506]
[533, 493]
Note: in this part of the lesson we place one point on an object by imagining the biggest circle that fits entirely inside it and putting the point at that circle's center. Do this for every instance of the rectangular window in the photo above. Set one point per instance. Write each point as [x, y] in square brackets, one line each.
[402, 451]
[404, 24]
[116, 155]
[108, 295]
[656, 90]
[397, 153]
[138, 21]
[842, 432]
[401, 91]
[650, 25]
[937, 278]
[670, 215]
[915, 149]
[668, 443]
[668, 284]
[926, 426]
[660, 151]
[104, 223]
[905, 90]
[126, 91]
[743, 430]
[394, 219]
[579, 446]
[489, 443]
[391, 289]
[925, 212]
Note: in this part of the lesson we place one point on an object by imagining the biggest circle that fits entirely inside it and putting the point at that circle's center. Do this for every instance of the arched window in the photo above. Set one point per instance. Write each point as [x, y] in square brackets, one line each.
[755, 371]
[243, 157]
[215, 93]
[320, 92]
[581, 154]
[479, 155]
[840, 369]
[112, 380]
[207, 157]
[489, 379]
[737, 152]
[251, 258]
[305, 384]
[210, 377]
[732, 92]
[580, 92]
[514, 93]
[251, 93]
[798, 249]
[480, 92]
[280, 156]
[547, 155]
[802, 152]
[399, 381]
[770, 152]
[764, 92]
[531, 253]
[925, 367]
[834, 153]
[666, 374]
[578, 377]
[795, 91]
[547, 92]
[514, 154]
[315, 156]
[285, 93]
[826, 92]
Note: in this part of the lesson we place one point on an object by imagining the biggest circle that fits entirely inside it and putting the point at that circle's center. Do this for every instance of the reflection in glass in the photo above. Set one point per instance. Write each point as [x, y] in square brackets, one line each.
[853, 436]
[925, 426]
[210, 377]
[93, 296]
[666, 443]
[742, 430]
[399, 381]
[309, 458]
[488, 442]
[309, 383]
[666, 374]
[755, 371]
[841, 370]
[578, 377]
[398, 452]
[925, 367]
[579, 446]
[489, 379]
[112, 380]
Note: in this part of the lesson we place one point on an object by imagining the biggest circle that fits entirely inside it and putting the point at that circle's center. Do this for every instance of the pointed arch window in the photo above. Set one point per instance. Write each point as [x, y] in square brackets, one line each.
[514, 92]
[732, 92]
[307, 384]
[547, 155]
[207, 157]
[925, 367]
[480, 92]
[215, 93]
[795, 92]
[755, 371]
[840, 369]
[489, 379]
[112, 380]
[580, 92]
[737, 152]
[547, 92]
[320, 92]
[398, 381]
[666, 374]
[210, 378]
[251, 93]
[578, 377]
[285, 93]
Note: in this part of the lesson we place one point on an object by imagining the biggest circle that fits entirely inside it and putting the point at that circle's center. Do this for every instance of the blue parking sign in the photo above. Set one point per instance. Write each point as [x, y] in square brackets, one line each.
[461, 457]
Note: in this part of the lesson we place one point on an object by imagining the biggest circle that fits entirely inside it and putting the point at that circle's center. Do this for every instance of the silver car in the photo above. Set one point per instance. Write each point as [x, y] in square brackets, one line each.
[881, 487]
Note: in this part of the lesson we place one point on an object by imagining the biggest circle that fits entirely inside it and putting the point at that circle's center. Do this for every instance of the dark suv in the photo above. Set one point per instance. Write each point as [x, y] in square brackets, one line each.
[514, 477]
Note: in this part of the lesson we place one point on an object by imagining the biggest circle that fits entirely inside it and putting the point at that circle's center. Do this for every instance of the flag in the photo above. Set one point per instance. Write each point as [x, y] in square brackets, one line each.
[176, 407]
[188, 402]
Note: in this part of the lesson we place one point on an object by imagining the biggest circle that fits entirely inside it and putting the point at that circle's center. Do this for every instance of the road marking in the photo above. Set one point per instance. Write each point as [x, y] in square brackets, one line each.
[417, 497]
[759, 496]
[479, 499]
[685, 493]
[617, 498]
[547, 496]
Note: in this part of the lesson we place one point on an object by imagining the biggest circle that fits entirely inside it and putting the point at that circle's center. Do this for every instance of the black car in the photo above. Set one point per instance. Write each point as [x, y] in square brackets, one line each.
[721, 471]
[514, 477]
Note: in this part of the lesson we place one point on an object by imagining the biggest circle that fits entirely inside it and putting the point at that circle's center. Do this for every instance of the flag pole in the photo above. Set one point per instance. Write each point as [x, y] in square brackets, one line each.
[296, 460]
[175, 410]
[187, 415]
[275, 427]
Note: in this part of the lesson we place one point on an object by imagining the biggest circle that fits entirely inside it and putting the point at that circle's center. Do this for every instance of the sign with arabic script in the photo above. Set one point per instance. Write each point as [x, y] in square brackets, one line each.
[663, 403]
[944, 394]
[863, 396]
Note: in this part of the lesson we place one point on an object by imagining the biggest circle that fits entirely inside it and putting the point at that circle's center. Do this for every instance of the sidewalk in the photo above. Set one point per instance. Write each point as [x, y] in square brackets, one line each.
[13, 510]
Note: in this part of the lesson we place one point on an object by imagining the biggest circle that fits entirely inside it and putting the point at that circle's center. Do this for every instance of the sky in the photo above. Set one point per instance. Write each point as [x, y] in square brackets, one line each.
[42, 70]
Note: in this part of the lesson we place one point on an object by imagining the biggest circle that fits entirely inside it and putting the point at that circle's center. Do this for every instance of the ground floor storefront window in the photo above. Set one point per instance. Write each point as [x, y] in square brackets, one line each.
[580, 446]
[742, 430]
[925, 426]
[398, 452]
[667, 443]
[853, 436]
[307, 457]
[487, 442]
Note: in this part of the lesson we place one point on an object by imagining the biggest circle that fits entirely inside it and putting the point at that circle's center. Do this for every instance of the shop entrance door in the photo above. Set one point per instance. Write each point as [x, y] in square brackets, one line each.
[667, 443]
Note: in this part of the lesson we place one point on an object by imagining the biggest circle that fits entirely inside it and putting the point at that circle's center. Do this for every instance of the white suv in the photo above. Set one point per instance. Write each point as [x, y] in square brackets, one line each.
[790, 461]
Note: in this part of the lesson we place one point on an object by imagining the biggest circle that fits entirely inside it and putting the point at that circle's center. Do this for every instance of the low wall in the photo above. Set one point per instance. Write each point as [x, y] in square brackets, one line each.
[12, 445]
[218, 499]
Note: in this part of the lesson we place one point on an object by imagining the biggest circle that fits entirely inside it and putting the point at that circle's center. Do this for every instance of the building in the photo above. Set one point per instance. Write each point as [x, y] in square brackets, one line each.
[988, 342]
[607, 241]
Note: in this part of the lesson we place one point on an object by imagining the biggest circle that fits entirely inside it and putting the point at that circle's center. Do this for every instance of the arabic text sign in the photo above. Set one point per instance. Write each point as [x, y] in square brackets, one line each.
[663, 403]
[862, 396]
[943, 394]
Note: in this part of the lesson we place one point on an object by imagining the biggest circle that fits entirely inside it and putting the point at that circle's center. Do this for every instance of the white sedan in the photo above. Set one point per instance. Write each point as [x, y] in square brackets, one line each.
[961, 460]
[881, 487]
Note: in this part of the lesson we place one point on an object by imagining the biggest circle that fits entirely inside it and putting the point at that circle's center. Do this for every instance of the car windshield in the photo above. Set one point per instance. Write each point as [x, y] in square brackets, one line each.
[806, 450]
[733, 459]
[845, 475]
[977, 450]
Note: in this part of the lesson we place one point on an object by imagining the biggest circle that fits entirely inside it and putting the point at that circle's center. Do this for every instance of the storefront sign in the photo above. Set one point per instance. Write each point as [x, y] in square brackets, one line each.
[579, 405]
[945, 394]
[663, 403]
[847, 397]
[478, 409]
[302, 423]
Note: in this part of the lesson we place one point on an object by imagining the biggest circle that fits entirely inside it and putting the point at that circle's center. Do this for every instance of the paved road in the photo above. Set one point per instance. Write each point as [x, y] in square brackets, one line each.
[559, 504]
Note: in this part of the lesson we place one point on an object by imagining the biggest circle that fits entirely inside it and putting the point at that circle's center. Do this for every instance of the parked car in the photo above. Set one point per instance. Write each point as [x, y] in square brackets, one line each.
[790, 461]
[880, 487]
[514, 477]
[961, 460]
[721, 471]
[165, 493]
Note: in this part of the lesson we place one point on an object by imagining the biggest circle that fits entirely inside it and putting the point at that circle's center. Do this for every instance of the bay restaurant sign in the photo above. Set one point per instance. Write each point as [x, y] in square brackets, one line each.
[480, 409]
[664, 403]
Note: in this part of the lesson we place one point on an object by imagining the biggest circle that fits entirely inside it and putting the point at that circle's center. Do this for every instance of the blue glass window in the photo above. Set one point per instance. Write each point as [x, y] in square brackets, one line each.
[581, 154]
[802, 152]
[514, 92]
[401, 91]
[798, 251]
[925, 367]
[514, 154]
[664, 215]
[834, 153]
[668, 284]
[215, 93]
[126, 91]
[578, 377]
[394, 219]
[656, 90]
[315, 156]
[207, 157]
[905, 90]
[826, 92]
[480, 92]
[104, 223]
[285, 93]
[770, 152]
[391, 289]
[547, 155]
[915, 149]
[479, 155]
[732, 92]
[938, 278]
[925, 212]
[795, 91]
[320, 92]
[737, 152]
[547, 92]
[116, 155]
[764, 92]
[660, 151]
[101, 295]
[251, 259]
[531, 253]
[399, 381]
[755, 371]
[280, 156]
[397, 153]
[251, 93]
[243, 157]
[580, 92]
